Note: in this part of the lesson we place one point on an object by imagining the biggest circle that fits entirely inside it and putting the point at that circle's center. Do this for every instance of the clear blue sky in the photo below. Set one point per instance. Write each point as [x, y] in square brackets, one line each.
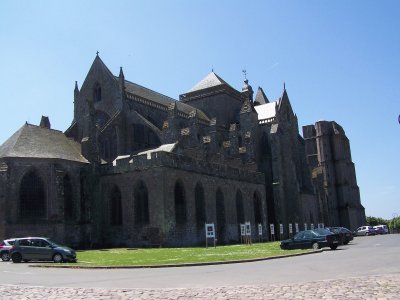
[340, 61]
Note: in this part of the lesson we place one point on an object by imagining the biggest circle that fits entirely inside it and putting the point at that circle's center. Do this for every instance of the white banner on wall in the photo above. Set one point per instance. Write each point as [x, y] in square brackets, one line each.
[248, 228]
[272, 228]
[242, 230]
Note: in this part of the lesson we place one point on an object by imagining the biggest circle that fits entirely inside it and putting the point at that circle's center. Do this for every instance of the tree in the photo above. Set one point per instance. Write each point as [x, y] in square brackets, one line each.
[394, 224]
[374, 221]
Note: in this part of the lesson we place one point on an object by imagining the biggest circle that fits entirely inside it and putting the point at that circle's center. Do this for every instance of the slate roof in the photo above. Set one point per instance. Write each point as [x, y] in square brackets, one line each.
[32, 141]
[261, 97]
[151, 95]
[211, 80]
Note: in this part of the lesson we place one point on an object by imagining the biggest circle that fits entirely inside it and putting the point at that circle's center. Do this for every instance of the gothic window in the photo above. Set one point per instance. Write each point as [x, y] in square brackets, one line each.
[220, 208]
[68, 198]
[101, 118]
[239, 207]
[97, 92]
[32, 196]
[141, 204]
[180, 203]
[240, 142]
[257, 208]
[108, 144]
[143, 137]
[116, 206]
[83, 196]
[200, 205]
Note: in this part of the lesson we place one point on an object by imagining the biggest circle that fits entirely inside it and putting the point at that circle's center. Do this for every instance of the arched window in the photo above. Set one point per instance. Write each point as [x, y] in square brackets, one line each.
[240, 142]
[141, 204]
[108, 144]
[68, 198]
[200, 205]
[97, 92]
[32, 196]
[239, 208]
[143, 137]
[257, 208]
[116, 206]
[220, 208]
[180, 203]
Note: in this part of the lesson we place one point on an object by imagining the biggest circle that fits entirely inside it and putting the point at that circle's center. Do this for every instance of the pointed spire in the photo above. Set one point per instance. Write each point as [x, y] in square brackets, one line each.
[261, 98]
[121, 79]
[76, 89]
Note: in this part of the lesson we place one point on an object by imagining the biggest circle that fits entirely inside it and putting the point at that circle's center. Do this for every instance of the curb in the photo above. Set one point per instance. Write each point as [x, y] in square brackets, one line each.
[178, 265]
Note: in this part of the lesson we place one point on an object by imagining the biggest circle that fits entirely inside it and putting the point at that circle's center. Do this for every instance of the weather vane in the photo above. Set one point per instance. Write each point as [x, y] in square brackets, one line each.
[245, 73]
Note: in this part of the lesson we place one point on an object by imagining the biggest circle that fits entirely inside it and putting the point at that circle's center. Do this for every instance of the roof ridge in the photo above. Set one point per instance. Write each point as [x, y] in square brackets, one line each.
[208, 82]
[148, 89]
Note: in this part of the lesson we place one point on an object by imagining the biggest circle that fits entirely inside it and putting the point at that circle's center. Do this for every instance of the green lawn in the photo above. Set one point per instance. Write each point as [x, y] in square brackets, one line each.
[165, 256]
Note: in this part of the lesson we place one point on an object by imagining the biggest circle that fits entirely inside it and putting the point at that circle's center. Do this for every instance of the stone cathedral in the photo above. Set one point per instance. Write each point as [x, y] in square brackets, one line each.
[138, 168]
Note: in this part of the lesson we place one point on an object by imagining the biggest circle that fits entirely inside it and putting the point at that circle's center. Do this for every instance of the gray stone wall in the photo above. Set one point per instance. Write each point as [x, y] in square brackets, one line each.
[160, 182]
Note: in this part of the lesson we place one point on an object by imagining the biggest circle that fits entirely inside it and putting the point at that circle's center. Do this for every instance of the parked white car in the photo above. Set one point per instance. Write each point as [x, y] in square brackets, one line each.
[381, 229]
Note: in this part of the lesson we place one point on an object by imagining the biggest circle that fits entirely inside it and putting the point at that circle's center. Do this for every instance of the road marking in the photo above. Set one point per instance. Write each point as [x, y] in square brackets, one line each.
[22, 273]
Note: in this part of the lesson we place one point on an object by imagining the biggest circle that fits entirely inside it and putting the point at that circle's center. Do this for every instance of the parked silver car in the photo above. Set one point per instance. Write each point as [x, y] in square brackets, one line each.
[365, 230]
[41, 249]
[5, 247]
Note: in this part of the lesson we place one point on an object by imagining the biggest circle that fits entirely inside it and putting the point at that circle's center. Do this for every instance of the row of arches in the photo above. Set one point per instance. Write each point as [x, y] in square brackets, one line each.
[142, 214]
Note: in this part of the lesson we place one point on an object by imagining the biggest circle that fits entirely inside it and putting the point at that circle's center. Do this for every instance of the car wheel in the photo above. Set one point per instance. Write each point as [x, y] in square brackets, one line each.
[5, 256]
[57, 258]
[345, 242]
[315, 246]
[16, 258]
[333, 247]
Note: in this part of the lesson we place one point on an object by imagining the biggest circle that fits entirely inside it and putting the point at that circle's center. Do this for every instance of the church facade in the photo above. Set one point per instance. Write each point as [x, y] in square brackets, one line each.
[138, 168]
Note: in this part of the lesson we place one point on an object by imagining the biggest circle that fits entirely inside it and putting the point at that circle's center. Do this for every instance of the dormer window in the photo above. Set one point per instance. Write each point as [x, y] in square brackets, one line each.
[97, 93]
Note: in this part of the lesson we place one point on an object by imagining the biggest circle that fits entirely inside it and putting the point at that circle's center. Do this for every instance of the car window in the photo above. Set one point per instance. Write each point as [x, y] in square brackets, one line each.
[25, 242]
[11, 242]
[299, 236]
[308, 235]
[36, 243]
[44, 243]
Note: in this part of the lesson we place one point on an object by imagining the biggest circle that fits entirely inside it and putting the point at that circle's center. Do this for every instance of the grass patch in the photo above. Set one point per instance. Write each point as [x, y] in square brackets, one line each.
[165, 256]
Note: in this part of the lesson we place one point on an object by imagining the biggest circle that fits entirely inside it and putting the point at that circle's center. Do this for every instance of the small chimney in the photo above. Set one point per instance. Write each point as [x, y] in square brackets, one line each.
[45, 122]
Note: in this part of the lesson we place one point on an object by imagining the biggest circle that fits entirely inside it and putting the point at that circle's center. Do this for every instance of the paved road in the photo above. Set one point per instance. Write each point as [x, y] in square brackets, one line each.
[369, 268]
